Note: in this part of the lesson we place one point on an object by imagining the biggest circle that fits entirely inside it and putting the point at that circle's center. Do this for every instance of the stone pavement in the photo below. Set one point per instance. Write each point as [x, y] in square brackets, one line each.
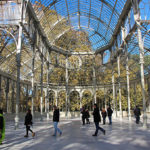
[121, 135]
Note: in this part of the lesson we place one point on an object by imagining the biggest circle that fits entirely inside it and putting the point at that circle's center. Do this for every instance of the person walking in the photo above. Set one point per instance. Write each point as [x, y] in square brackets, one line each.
[2, 127]
[56, 120]
[97, 119]
[28, 123]
[137, 113]
[83, 112]
[104, 114]
[109, 113]
[87, 116]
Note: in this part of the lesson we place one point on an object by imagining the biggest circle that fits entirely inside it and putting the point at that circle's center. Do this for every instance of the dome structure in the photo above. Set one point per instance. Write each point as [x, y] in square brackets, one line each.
[73, 53]
[98, 19]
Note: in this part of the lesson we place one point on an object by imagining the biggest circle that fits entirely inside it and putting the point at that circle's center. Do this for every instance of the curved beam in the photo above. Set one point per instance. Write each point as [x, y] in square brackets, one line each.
[102, 1]
[79, 11]
[57, 22]
[10, 34]
[59, 35]
[81, 27]
[87, 15]
[101, 36]
[98, 19]
[124, 13]
[111, 17]
[110, 6]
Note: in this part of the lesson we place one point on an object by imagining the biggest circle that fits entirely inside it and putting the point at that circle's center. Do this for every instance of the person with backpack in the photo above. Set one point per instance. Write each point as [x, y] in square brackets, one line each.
[109, 113]
[2, 127]
[28, 123]
[97, 119]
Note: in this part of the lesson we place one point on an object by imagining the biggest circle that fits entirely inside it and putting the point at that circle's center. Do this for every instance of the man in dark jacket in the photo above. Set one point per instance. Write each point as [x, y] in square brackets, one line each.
[97, 119]
[28, 123]
[137, 113]
[56, 120]
[2, 127]
[109, 113]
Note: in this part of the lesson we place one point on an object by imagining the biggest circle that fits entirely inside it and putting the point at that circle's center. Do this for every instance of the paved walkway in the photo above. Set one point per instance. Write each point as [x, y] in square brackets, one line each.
[119, 136]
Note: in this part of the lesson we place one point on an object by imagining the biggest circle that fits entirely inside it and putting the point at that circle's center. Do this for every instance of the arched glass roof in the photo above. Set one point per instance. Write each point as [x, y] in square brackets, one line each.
[77, 25]
[97, 18]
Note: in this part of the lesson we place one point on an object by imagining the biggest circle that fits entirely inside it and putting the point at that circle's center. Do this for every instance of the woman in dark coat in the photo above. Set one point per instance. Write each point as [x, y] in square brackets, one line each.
[97, 119]
[56, 120]
[28, 123]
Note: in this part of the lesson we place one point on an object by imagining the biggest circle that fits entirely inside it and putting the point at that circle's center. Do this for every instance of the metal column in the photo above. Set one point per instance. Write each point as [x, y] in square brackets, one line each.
[148, 90]
[105, 98]
[27, 95]
[80, 94]
[47, 102]
[116, 94]
[128, 89]
[120, 103]
[41, 103]
[134, 93]
[32, 79]
[56, 103]
[7, 92]
[18, 59]
[47, 90]
[141, 50]
[12, 96]
[94, 84]
[113, 86]
[67, 93]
